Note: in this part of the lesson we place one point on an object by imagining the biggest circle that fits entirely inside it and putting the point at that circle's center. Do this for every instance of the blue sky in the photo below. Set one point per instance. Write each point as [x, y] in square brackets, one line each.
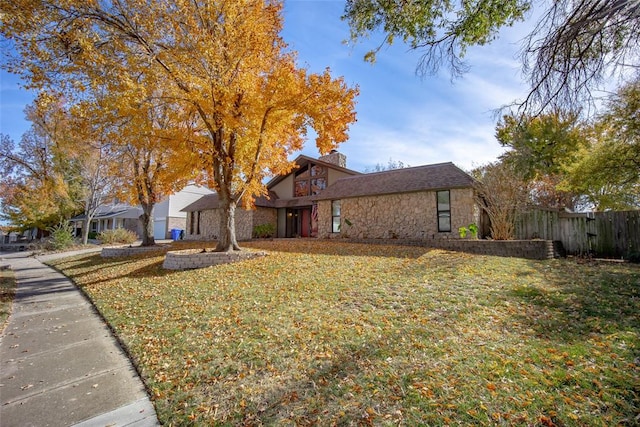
[400, 115]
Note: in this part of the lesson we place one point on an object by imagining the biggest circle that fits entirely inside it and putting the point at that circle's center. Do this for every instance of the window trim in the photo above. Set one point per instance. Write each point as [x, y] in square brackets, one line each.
[443, 213]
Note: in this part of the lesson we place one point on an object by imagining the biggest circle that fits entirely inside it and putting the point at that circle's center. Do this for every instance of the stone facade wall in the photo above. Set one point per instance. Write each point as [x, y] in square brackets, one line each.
[209, 225]
[397, 216]
[324, 219]
[245, 220]
[265, 216]
[244, 224]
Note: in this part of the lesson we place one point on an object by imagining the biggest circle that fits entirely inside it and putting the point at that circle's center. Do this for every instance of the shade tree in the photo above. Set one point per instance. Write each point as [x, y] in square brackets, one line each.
[574, 48]
[40, 185]
[541, 148]
[91, 150]
[223, 63]
[148, 142]
[608, 171]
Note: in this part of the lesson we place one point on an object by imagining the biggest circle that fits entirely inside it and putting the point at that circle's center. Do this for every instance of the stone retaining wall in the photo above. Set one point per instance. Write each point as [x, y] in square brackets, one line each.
[528, 249]
[190, 259]
[126, 251]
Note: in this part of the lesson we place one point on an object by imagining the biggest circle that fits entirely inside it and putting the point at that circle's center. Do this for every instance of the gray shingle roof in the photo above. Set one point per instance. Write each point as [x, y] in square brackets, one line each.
[439, 176]
[112, 211]
[210, 201]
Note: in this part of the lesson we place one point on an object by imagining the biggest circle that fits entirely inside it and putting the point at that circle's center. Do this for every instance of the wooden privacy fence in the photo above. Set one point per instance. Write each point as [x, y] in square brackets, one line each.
[607, 234]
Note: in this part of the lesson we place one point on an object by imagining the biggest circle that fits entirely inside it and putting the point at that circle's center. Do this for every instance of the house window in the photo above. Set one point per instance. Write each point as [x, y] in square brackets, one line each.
[301, 188]
[444, 210]
[317, 185]
[335, 216]
[309, 180]
[194, 226]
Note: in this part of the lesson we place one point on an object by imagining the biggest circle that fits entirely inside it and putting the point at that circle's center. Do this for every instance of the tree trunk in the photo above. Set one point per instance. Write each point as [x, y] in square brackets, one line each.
[85, 231]
[227, 241]
[147, 227]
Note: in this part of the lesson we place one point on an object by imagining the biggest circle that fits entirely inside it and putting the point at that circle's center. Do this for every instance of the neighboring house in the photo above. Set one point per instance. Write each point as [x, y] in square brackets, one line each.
[111, 217]
[168, 214]
[322, 198]
[28, 235]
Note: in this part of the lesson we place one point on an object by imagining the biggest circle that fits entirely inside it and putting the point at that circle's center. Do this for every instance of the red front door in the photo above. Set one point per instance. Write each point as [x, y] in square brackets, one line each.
[305, 223]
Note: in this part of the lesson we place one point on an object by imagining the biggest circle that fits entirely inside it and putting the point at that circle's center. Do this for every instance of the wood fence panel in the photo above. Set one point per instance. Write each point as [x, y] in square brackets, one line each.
[618, 233]
[537, 224]
[573, 234]
[607, 234]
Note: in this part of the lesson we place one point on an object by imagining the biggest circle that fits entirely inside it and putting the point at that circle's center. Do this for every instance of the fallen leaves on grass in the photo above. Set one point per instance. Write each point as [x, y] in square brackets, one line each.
[331, 333]
[7, 293]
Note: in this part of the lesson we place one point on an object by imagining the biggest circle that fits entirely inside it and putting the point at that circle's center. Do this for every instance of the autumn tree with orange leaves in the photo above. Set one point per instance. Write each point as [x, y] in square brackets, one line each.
[148, 141]
[222, 64]
[40, 183]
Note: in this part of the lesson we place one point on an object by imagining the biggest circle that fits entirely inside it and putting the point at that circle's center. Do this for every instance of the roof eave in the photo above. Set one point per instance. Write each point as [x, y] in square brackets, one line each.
[302, 159]
[389, 193]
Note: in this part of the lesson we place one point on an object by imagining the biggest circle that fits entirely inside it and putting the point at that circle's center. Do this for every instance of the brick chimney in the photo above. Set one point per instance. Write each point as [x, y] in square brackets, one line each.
[336, 158]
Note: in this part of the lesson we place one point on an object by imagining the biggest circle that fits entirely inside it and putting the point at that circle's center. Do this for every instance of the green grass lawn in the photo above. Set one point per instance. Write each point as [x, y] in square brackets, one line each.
[322, 333]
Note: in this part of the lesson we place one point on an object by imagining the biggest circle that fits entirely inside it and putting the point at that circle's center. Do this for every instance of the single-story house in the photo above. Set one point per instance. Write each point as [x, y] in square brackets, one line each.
[322, 198]
[167, 214]
[110, 217]
[9, 236]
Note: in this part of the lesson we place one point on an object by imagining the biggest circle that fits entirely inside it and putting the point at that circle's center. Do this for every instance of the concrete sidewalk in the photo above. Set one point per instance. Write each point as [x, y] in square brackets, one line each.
[59, 363]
